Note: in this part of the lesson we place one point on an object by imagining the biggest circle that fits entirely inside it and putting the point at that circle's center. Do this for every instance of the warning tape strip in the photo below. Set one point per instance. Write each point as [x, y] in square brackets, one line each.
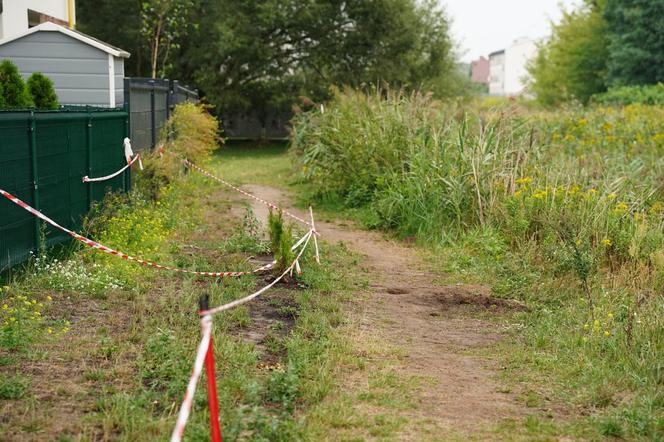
[87, 179]
[248, 298]
[206, 325]
[244, 192]
[185, 408]
[105, 249]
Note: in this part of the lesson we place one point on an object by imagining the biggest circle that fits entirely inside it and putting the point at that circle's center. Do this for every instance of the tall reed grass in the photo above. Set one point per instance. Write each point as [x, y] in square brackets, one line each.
[564, 209]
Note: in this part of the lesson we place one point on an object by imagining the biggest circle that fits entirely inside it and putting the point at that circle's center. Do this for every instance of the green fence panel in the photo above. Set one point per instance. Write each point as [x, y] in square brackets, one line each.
[43, 157]
[16, 226]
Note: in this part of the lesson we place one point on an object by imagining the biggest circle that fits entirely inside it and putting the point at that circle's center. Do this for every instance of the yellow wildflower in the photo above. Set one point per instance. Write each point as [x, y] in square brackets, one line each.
[607, 242]
[606, 333]
[525, 180]
[49, 298]
[621, 207]
[596, 324]
[610, 315]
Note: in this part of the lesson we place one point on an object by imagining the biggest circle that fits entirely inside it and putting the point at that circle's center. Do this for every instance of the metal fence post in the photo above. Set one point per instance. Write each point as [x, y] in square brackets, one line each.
[35, 177]
[127, 180]
[88, 154]
[153, 117]
[127, 102]
[169, 99]
[169, 103]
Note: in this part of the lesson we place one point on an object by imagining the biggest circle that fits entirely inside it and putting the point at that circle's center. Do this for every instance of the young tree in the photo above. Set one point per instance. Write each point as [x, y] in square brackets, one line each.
[42, 91]
[572, 63]
[15, 94]
[163, 23]
[636, 34]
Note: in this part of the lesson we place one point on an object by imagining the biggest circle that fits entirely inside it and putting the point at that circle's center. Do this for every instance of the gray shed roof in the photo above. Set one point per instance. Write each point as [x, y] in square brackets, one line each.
[52, 27]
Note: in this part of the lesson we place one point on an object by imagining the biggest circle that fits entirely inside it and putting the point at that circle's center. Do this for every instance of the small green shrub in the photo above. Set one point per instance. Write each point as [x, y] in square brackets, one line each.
[14, 92]
[249, 238]
[13, 387]
[42, 91]
[281, 240]
[652, 94]
[192, 133]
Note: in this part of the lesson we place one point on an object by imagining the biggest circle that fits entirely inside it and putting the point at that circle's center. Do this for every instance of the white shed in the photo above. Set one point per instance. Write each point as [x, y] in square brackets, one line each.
[84, 70]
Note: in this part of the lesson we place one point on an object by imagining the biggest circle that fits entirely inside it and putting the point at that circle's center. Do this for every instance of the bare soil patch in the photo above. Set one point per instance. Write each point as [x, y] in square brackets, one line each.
[437, 326]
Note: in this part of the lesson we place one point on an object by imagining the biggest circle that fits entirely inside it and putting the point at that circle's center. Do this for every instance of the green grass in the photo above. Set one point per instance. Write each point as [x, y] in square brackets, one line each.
[244, 162]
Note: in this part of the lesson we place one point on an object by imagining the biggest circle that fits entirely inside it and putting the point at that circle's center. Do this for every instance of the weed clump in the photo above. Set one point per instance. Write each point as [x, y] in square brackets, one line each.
[281, 240]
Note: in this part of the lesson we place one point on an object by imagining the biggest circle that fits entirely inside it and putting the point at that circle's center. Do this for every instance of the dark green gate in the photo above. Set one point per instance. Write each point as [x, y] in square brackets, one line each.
[43, 158]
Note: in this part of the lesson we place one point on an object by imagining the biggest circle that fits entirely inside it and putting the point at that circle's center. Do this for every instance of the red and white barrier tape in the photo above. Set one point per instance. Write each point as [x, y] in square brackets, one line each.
[206, 325]
[86, 179]
[185, 408]
[243, 192]
[105, 249]
[248, 298]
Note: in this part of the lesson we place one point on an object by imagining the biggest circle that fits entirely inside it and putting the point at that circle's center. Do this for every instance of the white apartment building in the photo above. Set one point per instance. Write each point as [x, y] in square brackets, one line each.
[17, 16]
[497, 73]
[508, 74]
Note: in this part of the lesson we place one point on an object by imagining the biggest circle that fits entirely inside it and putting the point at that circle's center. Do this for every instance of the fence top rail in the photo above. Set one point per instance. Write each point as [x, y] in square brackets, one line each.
[187, 90]
[148, 80]
[63, 109]
[148, 87]
[60, 115]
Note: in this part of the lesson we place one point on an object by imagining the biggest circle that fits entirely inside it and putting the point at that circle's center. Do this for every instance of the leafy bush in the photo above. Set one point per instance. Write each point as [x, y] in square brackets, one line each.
[572, 63]
[622, 96]
[41, 89]
[192, 133]
[14, 92]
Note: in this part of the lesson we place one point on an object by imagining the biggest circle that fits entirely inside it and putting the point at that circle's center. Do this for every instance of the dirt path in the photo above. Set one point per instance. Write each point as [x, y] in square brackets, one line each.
[435, 326]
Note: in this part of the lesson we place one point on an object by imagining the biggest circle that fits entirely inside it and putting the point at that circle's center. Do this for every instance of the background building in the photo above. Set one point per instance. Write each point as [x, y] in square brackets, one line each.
[508, 72]
[479, 71]
[517, 57]
[497, 73]
[17, 16]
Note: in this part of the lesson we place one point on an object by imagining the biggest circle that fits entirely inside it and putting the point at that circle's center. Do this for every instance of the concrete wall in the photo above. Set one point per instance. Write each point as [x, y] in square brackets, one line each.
[80, 72]
[517, 57]
[14, 15]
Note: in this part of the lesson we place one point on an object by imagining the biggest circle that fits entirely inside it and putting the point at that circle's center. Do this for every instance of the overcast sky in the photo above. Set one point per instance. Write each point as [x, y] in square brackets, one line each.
[484, 26]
